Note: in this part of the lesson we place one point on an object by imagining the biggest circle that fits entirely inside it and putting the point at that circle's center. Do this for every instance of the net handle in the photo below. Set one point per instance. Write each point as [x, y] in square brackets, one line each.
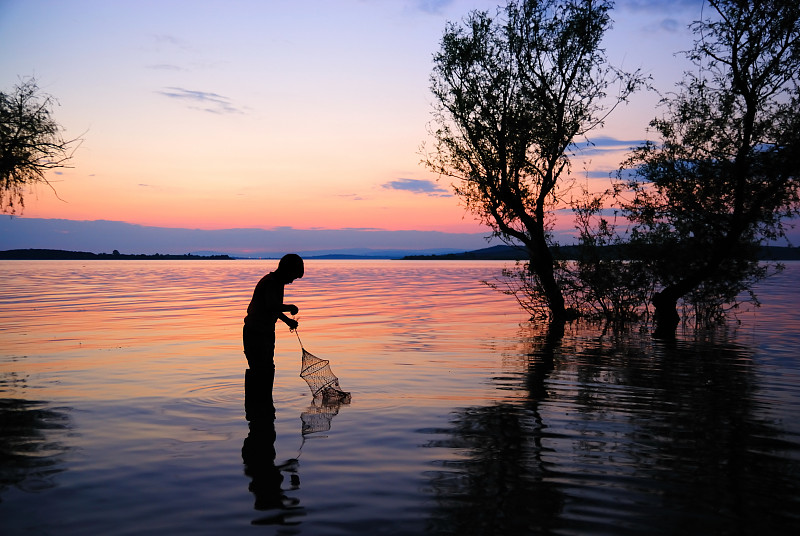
[298, 339]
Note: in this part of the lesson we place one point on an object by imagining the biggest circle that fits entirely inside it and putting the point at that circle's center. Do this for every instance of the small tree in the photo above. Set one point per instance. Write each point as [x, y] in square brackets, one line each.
[609, 279]
[512, 95]
[724, 175]
[30, 143]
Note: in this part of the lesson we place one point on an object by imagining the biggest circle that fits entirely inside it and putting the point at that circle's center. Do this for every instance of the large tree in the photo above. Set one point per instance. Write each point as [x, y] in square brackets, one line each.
[513, 94]
[723, 176]
[31, 143]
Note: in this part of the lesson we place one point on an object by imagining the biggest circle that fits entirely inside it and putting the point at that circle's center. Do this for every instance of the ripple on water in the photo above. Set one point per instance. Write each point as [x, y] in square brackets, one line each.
[217, 394]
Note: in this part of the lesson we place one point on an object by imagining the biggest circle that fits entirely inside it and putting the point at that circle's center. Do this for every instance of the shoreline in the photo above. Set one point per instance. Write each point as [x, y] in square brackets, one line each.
[63, 255]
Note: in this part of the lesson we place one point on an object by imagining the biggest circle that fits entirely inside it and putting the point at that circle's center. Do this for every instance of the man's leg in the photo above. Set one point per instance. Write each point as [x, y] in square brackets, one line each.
[259, 348]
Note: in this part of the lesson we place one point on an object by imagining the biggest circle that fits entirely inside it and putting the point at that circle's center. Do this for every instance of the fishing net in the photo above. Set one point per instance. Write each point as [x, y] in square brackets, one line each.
[317, 417]
[320, 378]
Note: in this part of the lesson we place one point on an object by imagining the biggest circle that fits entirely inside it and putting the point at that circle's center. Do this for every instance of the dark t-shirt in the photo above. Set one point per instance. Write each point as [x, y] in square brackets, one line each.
[266, 302]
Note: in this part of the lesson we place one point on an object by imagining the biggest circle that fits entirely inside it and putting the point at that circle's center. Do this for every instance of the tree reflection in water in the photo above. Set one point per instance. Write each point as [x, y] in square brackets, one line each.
[502, 484]
[619, 434]
[30, 446]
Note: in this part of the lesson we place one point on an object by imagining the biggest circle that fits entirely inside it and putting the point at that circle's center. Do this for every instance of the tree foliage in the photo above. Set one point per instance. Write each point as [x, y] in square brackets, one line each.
[512, 95]
[609, 278]
[31, 143]
[723, 176]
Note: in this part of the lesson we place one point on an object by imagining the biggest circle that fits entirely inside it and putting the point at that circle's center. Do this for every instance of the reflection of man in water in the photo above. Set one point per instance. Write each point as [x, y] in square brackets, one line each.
[258, 455]
[264, 310]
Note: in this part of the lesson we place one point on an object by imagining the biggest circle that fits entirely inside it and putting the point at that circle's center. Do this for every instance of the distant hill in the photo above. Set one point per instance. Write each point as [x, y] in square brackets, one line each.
[776, 253]
[57, 254]
[498, 253]
[772, 253]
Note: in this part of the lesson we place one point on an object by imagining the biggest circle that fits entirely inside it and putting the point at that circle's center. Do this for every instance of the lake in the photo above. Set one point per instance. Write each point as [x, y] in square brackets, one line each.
[122, 409]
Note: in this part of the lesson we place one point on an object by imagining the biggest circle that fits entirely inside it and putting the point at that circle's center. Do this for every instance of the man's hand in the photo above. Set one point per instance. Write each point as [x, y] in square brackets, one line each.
[292, 323]
[292, 309]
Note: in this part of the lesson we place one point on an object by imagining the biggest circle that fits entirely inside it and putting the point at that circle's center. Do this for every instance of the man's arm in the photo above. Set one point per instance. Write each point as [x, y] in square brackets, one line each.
[288, 308]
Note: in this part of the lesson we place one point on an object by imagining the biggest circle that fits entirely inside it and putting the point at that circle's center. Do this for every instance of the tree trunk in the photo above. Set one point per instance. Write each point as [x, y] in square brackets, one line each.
[665, 302]
[541, 262]
[666, 314]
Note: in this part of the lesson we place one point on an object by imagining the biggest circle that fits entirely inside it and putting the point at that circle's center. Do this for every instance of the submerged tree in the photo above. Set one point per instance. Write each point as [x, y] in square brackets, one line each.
[31, 143]
[512, 96]
[724, 175]
[608, 279]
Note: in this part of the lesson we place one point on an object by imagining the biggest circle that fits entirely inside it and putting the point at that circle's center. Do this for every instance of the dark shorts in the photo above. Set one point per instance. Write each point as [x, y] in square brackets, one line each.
[259, 347]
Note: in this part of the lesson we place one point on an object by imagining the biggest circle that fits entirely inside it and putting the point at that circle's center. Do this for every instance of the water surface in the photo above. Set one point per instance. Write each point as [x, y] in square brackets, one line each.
[122, 407]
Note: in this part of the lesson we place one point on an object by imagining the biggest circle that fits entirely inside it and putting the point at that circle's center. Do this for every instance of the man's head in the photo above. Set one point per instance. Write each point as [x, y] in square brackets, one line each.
[291, 267]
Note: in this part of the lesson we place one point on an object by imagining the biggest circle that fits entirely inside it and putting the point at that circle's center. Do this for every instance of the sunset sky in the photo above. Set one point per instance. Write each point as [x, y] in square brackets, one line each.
[257, 114]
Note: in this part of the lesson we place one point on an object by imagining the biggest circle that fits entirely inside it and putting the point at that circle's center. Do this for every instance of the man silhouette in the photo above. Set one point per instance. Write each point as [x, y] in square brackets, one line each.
[265, 309]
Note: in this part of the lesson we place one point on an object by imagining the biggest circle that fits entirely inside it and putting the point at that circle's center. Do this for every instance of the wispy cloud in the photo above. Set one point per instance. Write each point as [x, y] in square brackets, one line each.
[671, 25]
[432, 6]
[352, 197]
[167, 39]
[169, 43]
[659, 6]
[417, 186]
[599, 174]
[605, 141]
[664, 17]
[605, 145]
[165, 67]
[201, 100]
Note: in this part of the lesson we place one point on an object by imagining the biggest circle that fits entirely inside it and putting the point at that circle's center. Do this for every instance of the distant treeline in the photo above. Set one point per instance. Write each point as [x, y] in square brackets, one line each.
[512, 253]
[58, 254]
